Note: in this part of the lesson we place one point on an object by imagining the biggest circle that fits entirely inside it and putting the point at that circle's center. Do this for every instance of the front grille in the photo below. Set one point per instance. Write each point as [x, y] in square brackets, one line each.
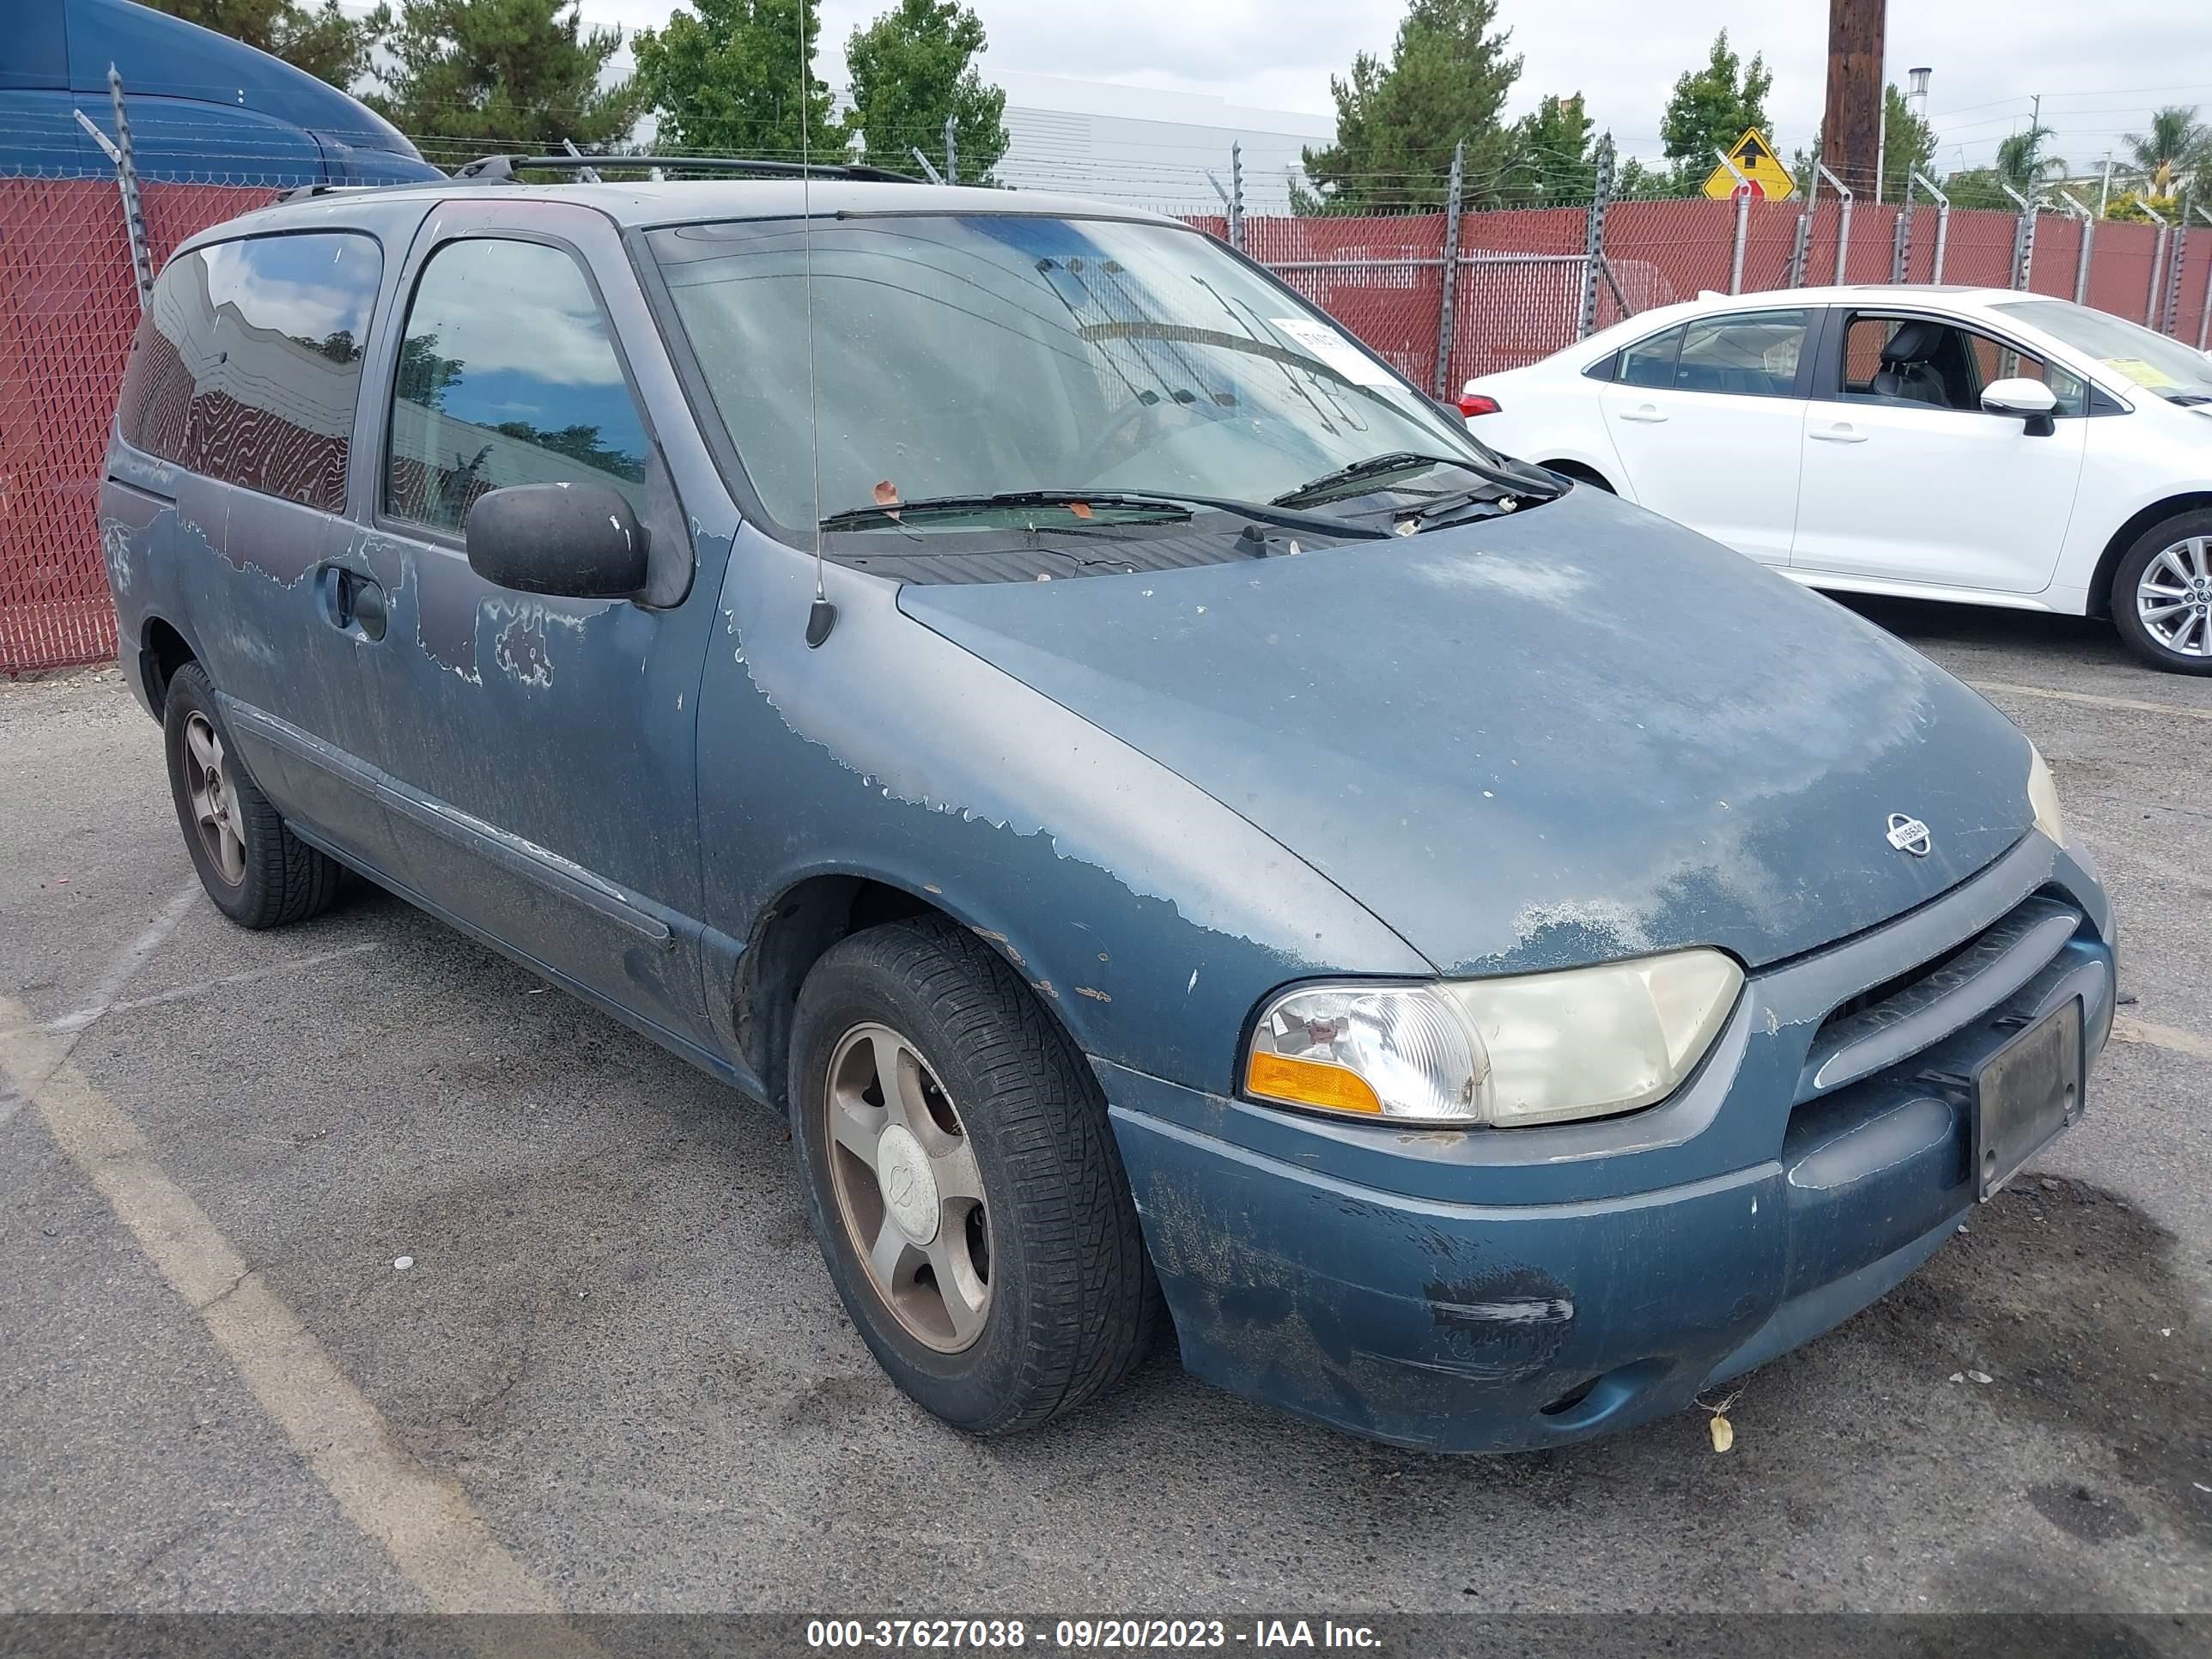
[1889, 1023]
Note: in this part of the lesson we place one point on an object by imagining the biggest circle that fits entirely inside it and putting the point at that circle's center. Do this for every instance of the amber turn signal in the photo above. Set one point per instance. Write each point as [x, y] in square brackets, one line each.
[1309, 1083]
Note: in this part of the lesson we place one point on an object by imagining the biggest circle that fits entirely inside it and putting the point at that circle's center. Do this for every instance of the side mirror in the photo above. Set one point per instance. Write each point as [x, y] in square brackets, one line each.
[578, 541]
[2030, 400]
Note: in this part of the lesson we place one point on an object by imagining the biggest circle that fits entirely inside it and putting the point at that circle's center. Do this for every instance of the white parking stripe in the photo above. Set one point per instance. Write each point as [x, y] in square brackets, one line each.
[421, 1518]
[2135, 705]
[109, 985]
[2174, 1038]
[84, 1017]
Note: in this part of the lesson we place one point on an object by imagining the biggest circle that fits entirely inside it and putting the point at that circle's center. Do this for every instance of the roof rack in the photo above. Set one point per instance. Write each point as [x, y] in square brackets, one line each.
[501, 169]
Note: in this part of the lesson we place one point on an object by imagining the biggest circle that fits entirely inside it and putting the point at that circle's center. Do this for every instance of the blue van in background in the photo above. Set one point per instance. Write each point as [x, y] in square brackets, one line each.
[202, 106]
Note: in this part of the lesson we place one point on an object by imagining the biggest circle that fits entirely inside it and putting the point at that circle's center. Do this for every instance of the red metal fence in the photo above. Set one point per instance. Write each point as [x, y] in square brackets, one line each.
[68, 310]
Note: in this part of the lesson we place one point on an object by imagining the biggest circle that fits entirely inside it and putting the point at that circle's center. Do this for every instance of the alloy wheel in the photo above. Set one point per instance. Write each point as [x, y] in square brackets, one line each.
[907, 1188]
[2173, 597]
[209, 786]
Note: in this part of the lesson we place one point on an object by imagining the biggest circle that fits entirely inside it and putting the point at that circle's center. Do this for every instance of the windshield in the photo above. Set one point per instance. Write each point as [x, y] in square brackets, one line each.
[2148, 360]
[995, 353]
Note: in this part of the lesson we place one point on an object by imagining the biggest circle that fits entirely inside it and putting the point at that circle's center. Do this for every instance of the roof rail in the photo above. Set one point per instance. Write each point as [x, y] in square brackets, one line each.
[501, 169]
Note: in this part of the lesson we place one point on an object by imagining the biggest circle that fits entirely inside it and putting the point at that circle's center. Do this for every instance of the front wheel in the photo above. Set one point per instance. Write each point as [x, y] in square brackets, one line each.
[2162, 595]
[962, 1179]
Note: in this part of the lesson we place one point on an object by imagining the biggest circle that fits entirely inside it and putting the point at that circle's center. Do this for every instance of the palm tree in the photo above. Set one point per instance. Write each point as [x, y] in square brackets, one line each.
[2021, 162]
[2177, 146]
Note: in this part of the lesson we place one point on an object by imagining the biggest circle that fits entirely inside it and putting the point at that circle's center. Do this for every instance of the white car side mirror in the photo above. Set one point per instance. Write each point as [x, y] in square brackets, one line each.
[2030, 400]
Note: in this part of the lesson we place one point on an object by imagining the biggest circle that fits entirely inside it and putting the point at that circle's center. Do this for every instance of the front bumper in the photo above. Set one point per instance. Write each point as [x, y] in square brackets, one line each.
[1495, 1291]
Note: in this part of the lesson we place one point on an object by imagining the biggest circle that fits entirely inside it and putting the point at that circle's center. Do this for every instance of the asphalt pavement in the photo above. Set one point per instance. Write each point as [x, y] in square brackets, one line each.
[612, 1374]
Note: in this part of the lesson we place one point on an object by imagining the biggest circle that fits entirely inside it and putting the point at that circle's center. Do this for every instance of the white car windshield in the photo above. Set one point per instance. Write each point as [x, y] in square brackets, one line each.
[2172, 370]
[958, 356]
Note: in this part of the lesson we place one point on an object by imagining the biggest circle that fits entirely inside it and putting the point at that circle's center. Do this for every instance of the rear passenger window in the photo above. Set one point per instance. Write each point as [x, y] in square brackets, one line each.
[1651, 363]
[507, 375]
[247, 367]
[1752, 356]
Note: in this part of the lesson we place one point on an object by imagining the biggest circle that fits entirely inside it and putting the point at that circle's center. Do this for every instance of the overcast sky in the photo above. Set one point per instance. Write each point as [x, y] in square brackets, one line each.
[2101, 69]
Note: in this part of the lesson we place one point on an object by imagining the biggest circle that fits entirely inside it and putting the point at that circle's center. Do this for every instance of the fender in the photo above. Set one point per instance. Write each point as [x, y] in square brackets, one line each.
[1148, 916]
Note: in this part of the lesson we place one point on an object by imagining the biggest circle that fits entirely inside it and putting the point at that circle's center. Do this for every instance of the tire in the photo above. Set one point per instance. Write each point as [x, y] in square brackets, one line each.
[2187, 576]
[259, 873]
[1068, 1305]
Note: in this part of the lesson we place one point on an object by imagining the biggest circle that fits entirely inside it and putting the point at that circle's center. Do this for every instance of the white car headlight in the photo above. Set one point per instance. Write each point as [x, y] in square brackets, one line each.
[1530, 1048]
[2043, 796]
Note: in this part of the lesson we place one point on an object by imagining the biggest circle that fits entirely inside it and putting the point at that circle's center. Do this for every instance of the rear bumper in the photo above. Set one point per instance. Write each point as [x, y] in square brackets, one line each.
[1484, 1292]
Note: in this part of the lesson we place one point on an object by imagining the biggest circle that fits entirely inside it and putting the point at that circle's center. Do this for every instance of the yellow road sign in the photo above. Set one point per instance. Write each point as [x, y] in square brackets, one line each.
[1755, 158]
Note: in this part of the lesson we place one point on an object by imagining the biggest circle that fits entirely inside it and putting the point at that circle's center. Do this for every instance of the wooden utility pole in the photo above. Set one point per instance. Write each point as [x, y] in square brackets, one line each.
[1851, 127]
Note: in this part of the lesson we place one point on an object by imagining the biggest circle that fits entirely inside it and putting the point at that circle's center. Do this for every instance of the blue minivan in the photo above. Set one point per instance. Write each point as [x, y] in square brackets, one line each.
[1190, 839]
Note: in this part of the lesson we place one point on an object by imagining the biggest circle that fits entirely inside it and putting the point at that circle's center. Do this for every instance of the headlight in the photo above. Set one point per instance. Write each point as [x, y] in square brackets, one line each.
[1534, 1048]
[2043, 796]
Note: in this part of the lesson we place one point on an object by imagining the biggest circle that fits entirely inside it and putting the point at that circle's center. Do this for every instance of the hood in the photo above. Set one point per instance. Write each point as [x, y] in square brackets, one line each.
[1573, 734]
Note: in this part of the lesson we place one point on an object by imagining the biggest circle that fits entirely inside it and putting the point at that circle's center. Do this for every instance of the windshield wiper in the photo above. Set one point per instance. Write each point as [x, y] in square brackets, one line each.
[1165, 506]
[1159, 509]
[1375, 466]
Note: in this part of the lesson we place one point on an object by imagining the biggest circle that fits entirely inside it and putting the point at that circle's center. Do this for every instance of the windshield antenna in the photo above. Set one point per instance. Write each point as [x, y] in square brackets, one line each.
[821, 616]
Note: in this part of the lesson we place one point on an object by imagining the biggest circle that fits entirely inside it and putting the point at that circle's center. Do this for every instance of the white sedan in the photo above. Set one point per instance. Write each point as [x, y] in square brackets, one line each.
[1944, 443]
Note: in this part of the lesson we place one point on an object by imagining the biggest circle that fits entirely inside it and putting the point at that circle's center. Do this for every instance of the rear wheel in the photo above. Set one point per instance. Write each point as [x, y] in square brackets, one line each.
[2162, 595]
[962, 1180]
[259, 873]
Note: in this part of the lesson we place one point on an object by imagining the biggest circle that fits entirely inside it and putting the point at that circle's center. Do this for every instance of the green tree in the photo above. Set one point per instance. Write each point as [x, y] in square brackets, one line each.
[1639, 181]
[911, 69]
[725, 77]
[2025, 163]
[2174, 155]
[2022, 163]
[326, 42]
[471, 78]
[1711, 107]
[1396, 122]
[1908, 144]
[1550, 157]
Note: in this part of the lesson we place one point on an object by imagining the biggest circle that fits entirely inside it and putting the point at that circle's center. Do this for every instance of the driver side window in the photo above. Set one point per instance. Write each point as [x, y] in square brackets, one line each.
[506, 375]
[1919, 361]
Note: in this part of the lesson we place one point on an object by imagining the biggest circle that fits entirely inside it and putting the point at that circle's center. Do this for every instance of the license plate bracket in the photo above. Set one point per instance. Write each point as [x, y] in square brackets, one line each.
[2024, 1095]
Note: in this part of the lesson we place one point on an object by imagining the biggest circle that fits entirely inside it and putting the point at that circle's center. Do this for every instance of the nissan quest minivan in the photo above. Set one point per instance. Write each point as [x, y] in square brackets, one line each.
[1189, 838]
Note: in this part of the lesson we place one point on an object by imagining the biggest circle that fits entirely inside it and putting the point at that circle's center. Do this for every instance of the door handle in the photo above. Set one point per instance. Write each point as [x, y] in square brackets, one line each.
[1644, 414]
[352, 599]
[1841, 433]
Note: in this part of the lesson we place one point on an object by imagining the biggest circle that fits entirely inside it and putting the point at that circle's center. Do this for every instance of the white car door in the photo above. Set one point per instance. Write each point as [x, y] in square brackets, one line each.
[1707, 418]
[1907, 479]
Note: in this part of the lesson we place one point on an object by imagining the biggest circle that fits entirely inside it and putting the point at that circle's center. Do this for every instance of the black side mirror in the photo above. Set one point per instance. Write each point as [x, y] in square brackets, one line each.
[579, 541]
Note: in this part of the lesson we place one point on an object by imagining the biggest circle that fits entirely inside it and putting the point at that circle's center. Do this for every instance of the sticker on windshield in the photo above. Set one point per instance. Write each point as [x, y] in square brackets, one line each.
[2148, 376]
[1333, 348]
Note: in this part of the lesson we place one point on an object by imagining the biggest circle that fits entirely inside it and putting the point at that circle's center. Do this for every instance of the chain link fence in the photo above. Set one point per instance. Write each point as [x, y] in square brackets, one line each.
[1444, 296]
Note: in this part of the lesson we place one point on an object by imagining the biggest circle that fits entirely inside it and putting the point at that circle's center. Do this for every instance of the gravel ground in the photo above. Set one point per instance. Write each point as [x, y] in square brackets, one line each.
[616, 1357]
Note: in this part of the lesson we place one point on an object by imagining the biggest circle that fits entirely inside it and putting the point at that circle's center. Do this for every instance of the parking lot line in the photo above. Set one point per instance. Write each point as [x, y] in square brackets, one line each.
[85, 1016]
[422, 1519]
[2172, 1037]
[2138, 705]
